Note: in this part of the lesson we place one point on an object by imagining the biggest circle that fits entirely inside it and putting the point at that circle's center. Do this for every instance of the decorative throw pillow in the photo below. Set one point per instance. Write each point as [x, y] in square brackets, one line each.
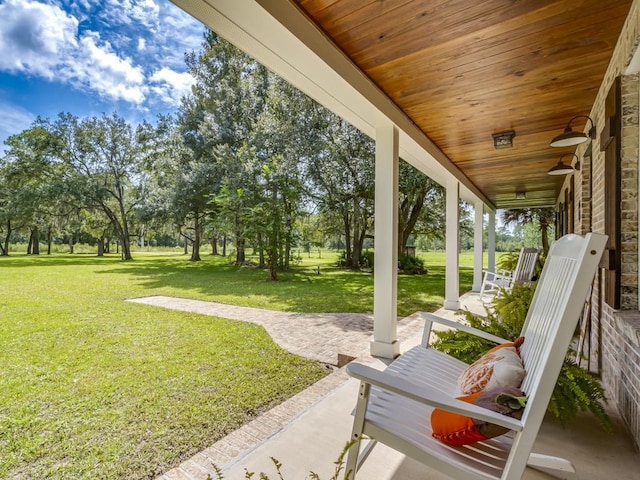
[456, 429]
[499, 367]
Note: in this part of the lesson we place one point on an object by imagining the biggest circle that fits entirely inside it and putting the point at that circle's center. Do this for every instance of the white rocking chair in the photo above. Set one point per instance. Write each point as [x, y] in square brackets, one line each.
[394, 406]
[493, 282]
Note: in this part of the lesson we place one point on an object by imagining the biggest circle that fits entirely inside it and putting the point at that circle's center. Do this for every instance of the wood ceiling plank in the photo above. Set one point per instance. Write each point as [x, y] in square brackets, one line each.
[379, 45]
[464, 70]
[449, 60]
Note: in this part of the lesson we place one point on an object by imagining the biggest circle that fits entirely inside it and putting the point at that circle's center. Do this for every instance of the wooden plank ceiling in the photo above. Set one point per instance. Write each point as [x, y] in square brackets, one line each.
[464, 70]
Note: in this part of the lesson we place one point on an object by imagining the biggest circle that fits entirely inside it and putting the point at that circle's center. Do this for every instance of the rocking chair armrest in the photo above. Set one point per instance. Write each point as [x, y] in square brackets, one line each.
[431, 318]
[495, 275]
[428, 396]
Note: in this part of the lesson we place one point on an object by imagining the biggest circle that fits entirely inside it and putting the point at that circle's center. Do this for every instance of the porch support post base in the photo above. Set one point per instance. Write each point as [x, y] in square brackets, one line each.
[385, 350]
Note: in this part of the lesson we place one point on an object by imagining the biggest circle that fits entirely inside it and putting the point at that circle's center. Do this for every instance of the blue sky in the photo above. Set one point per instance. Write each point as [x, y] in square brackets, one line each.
[87, 57]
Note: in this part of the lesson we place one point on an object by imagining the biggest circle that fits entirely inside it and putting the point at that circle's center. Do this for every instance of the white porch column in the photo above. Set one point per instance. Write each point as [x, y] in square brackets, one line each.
[491, 243]
[452, 282]
[477, 247]
[385, 278]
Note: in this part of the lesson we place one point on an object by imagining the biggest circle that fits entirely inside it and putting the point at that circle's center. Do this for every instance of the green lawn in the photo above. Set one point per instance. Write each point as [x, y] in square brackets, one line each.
[95, 387]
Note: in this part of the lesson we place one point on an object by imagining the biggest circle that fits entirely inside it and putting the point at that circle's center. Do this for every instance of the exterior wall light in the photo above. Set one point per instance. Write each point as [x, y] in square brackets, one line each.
[570, 138]
[562, 168]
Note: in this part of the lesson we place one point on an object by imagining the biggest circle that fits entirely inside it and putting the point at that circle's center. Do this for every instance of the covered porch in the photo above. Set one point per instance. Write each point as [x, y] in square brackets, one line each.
[307, 432]
[472, 98]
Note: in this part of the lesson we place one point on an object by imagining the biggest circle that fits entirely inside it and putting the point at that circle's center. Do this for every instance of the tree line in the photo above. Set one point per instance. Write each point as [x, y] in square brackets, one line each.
[246, 159]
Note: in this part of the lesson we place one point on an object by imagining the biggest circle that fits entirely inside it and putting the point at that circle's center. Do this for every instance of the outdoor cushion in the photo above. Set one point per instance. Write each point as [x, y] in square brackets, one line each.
[499, 367]
[456, 429]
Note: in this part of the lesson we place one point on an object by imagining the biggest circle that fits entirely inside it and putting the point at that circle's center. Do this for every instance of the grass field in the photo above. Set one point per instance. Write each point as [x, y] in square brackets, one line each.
[95, 387]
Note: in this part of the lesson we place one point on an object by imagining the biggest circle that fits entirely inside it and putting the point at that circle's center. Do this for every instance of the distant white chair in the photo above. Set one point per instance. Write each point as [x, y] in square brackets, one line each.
[523, 273]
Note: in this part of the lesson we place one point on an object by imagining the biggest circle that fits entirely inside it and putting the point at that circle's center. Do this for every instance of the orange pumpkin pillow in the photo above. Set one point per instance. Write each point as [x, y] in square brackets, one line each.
[455, 429]
[499, 367]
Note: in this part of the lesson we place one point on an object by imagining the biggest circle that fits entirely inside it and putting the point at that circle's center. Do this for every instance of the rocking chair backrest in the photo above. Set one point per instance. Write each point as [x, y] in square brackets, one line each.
[552, 318]
[526, 265]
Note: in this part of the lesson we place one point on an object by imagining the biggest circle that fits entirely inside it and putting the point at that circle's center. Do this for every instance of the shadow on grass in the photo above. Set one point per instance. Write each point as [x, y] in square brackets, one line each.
[301, 289]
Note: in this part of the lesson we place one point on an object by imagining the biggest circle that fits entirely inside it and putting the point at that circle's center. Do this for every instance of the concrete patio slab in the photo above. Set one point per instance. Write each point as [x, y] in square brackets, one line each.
[307, 432]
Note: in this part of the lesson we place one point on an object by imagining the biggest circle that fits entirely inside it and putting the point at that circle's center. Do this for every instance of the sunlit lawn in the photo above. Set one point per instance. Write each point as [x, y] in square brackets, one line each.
[95, 387]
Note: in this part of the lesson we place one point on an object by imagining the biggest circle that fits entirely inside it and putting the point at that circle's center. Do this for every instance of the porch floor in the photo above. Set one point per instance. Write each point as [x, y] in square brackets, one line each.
[307, 433]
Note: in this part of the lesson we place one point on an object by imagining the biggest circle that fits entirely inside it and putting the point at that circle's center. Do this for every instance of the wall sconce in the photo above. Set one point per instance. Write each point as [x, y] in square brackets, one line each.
[503, 140]
[562, 168]
[569, 138]
[521, 195]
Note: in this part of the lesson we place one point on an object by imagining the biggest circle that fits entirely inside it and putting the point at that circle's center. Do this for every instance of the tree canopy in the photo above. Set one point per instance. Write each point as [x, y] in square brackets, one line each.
[246, 158]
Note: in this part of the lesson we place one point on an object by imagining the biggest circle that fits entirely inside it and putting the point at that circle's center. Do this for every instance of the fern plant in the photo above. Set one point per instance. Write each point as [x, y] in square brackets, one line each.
[576, 388]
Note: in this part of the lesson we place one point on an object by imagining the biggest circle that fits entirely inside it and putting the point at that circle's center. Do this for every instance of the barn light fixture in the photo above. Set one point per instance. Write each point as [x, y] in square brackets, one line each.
[562, 168]
[569, 138]
[503, 139]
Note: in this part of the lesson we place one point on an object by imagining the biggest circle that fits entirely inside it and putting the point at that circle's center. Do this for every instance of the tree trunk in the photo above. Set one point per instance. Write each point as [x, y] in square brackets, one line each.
[101, 247]
[195, 248]
[272, 254]
[347, 237]
[107, 245]
[273, 264]
[49, 240]
[4, 251]
[240, 254]
[70, 244]
[122, 226]
[356, 251]
[287, 235]
[261, 263]
[214, 245]
[409, 214]
[126, 248]
[186, 245]
[35, 241]
[544, 233]
[224, 245]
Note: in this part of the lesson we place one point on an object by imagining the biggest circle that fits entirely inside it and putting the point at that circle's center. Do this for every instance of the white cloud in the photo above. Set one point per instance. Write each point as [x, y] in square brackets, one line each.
[136, 57]
[42, 40]
[103, 70]
[126, 12]
[177, 33]
[170, 85]
[34, 36]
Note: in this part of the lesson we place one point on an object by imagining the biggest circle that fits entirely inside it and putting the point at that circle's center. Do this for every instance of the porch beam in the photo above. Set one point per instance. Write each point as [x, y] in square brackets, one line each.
[385, 278]
[452, 282]
[477, 246]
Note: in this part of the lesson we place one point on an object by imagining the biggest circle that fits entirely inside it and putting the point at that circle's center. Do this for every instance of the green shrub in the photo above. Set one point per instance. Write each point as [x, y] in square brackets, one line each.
[576, 388]
[406, 263]
[411, 265]
[508, 261]
[366, 260]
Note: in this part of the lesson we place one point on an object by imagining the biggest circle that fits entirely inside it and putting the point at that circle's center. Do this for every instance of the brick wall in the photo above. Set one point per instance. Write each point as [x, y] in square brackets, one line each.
[615, 335]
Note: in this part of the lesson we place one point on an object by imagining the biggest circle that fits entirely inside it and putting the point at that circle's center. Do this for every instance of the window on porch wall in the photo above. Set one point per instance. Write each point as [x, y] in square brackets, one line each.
[610, 145]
